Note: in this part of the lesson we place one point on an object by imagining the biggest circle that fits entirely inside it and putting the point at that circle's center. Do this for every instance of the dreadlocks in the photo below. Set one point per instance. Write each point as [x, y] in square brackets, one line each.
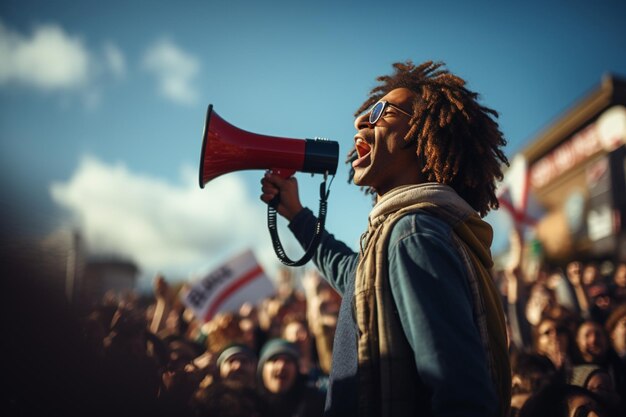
[457, 140]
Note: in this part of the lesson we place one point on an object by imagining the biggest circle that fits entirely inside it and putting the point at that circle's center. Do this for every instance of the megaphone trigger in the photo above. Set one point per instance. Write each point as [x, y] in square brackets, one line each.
[283, 173]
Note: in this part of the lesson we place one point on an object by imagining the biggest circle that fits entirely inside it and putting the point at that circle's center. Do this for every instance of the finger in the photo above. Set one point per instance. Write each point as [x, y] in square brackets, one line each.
[269, 196]
[275, 179]
[274, 202]
[269, 188]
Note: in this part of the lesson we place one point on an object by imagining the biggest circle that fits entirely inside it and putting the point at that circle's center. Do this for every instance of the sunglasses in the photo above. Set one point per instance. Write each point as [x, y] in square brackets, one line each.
[379, 109]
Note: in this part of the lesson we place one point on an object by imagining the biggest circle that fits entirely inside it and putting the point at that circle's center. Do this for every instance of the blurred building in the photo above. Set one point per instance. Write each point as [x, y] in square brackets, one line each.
[114, 276]
[80, 277]
[575, 169]
[60, 258]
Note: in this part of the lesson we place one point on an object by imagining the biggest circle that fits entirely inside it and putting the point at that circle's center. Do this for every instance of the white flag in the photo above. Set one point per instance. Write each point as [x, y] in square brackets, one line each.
[237, 281]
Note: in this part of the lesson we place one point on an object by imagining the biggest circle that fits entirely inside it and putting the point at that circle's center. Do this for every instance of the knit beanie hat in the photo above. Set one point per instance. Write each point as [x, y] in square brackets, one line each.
[234, 349]
[581, 374]
[277, 347]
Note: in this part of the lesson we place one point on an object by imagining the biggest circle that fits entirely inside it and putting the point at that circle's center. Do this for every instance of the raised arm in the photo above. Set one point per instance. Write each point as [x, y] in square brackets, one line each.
[334, 259]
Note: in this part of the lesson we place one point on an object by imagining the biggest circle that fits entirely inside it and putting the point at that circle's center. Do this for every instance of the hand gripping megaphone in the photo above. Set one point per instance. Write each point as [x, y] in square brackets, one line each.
[226, 148]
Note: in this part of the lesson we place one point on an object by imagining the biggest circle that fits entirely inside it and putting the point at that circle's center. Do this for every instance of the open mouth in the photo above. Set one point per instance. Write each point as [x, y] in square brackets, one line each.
[280, 376]
[362, 148]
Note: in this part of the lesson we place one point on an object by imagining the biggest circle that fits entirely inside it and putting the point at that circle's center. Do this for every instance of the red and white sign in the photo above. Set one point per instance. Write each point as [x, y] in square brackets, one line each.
[513, 193]
[237, 281]
[608, 133]
[570, 153]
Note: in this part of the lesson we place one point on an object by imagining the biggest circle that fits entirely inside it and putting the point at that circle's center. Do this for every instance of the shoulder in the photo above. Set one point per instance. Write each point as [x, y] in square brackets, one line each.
[420, 224]
[421, 241]
[424, 259]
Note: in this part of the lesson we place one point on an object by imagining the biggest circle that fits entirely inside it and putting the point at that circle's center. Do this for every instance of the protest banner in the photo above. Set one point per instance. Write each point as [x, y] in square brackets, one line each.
[239, 280]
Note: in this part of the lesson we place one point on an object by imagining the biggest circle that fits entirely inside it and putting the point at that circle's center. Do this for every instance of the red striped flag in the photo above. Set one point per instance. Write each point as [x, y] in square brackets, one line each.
[239, 280]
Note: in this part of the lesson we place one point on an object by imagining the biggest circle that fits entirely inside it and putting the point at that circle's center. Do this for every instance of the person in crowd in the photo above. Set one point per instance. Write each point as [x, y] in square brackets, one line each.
[597, 380]
[251, 335]
[323, 304]
[592, 343]
[617, 285]
[574, 273]
[563, 400]
[616, 329]
[179, 377]
[271, 313]
[515, 296]
[206, 368]
[227, 399]
[284, 390]
[593, 348]
[237, 363]
[543, 302]
[565, 296]
[591, 274]
[287, 301]
[420, 286]
[552, 340]
[600, 302]
[95, 328]
[296, 331]
[167, 317]
[530, 373]
[128, 363]
[222, 330]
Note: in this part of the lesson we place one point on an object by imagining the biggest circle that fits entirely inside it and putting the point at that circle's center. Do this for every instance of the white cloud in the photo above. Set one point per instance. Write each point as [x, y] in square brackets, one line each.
[50, 59]
[163, 226]
[174, 69]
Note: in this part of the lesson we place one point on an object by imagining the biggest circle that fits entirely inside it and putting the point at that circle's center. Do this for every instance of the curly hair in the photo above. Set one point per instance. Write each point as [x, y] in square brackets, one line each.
[457, 140]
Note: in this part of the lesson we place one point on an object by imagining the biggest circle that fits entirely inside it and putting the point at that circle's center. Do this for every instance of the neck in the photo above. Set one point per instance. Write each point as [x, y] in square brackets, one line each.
[411, 178]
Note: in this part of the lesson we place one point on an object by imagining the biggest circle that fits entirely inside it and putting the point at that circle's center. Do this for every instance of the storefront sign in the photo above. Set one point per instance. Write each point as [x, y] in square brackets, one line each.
[567, 155]
[607, 133]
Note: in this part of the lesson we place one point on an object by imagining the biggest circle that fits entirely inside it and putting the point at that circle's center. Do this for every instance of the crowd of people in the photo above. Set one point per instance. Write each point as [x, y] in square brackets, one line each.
[271, 358]
[133, 355]
[566, 331]
[567, 338]
[567, 335]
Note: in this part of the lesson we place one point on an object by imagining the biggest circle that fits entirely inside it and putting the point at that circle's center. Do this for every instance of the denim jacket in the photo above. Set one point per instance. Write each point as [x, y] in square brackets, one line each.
[433, 302]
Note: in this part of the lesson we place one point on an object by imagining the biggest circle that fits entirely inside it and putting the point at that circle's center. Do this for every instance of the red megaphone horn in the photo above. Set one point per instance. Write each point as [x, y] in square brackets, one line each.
[226, 148]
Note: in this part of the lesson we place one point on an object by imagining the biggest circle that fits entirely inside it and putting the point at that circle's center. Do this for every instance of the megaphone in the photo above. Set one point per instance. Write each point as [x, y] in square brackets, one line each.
[226, 148]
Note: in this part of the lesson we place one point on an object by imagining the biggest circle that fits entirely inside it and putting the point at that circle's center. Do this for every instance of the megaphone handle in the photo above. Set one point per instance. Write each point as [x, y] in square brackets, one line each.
[284, 173]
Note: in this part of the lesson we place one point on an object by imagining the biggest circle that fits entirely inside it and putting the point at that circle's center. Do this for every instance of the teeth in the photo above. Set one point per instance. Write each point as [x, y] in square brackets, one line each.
[362, 147]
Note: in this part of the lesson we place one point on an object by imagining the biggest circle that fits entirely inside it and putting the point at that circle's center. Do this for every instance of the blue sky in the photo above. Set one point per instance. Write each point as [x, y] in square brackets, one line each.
[102, 105]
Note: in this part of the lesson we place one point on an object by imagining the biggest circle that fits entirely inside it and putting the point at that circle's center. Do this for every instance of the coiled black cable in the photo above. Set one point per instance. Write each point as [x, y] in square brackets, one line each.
[319, 227]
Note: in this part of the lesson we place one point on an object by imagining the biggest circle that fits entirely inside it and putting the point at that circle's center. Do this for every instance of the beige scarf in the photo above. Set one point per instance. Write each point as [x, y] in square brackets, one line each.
[387, 378]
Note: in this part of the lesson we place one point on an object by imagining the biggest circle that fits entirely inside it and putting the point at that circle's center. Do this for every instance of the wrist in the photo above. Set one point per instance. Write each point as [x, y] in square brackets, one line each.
[292, 214]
